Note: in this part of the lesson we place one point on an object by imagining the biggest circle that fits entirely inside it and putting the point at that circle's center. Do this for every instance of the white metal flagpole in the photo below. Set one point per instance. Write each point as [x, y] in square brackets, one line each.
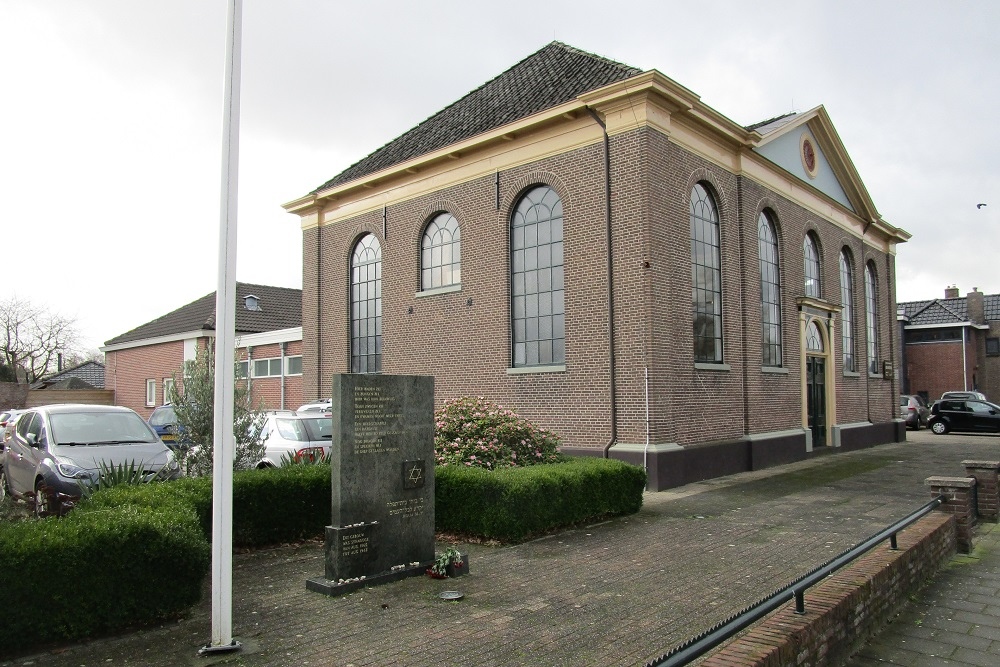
[225, 353]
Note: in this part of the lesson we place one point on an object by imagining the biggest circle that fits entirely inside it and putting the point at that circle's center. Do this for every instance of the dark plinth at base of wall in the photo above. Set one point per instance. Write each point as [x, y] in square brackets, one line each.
[677, 466]
[871, 435]
[335, 588]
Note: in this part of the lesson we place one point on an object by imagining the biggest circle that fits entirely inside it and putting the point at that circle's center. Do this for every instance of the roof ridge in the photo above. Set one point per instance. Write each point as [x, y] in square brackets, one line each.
[754, 126]
[439, 141]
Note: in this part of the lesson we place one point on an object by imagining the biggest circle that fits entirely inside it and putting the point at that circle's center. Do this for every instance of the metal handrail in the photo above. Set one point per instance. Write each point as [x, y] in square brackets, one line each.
[705, 642]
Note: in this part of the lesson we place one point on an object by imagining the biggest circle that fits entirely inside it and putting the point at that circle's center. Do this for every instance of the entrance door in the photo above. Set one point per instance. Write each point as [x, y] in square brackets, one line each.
[816, 398]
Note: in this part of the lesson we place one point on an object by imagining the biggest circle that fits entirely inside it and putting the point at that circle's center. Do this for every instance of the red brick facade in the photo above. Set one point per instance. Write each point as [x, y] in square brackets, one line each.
[126, 373]
[463, 337]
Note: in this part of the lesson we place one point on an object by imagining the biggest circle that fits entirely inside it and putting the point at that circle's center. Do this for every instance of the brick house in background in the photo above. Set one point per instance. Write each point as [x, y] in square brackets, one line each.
[951, 344]
[140, 363]
[594, 246]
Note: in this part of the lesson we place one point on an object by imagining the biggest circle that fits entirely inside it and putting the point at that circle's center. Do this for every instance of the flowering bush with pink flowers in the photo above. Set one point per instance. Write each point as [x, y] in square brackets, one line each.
[476, 432]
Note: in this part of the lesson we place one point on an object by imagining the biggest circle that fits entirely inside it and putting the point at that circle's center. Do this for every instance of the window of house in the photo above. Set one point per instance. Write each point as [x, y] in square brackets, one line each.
[293, 365]
[537, 291]
[871, 314]
[366, 306]
[150, 393]
[847, 310]
[441, 253]
[993, 347]
[266, 368]
[811, 257]
[706, 276]
[168, 385]
[770, 291]
[242, 369]
[814, 340]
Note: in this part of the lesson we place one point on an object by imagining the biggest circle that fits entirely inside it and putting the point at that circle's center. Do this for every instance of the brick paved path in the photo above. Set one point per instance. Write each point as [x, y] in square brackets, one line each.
[617, 593]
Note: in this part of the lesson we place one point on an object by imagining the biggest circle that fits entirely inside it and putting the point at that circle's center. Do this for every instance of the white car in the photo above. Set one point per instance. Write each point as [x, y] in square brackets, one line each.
[291, 436]
[325, 406]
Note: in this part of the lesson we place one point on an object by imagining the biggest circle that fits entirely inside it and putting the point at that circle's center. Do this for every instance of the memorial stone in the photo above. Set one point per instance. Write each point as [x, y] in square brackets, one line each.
[382, 478]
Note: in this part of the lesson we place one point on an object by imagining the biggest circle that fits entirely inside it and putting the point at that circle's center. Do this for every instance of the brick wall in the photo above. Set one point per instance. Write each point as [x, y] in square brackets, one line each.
[275, 393]
[847, 608]
[462, 338]
[934, 367]
[126, 372]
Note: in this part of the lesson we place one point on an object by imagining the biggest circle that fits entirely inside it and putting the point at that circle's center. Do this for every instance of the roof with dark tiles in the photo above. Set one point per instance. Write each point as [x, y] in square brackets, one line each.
[280, 308]
[948, 311]
[89, 373]
[554, 75]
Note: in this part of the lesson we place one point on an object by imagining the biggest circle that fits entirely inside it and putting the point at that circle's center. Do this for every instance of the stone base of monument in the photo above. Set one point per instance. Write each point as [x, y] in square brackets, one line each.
[343, 587]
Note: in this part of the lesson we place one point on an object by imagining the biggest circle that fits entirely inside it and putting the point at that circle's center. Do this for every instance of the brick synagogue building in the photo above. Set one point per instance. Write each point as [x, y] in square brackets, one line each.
[592, 245]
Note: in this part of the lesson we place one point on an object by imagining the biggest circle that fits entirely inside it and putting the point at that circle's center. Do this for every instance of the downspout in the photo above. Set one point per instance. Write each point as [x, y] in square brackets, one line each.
[864, 291]
[612, 394]
[965, 363]
[282, 348]
[743, 306]
[249, 373]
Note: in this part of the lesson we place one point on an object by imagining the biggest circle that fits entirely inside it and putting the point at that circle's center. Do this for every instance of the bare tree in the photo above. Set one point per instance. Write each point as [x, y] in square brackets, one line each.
[32, 337]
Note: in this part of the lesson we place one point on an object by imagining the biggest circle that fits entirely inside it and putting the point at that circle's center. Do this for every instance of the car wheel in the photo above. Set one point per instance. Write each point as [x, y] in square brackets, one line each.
[43, 500]
[939, 427]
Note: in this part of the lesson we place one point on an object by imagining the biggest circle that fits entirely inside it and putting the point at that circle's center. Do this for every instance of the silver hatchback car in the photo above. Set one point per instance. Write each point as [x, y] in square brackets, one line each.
[295, 436]
[57, 449]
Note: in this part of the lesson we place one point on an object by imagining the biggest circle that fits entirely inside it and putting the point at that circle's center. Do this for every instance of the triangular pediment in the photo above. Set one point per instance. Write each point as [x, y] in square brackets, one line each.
[807, 146]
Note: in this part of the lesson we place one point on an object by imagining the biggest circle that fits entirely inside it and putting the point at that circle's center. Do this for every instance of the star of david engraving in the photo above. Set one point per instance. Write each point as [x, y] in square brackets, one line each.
[413, 474]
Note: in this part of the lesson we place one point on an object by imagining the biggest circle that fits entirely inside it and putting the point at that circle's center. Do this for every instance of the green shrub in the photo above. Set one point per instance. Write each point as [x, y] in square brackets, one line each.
[98, 570]
[514, 503]
[477, 433]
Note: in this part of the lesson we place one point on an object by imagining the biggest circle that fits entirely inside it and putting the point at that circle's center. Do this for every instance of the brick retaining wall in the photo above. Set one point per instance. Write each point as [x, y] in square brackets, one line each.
[847, 608]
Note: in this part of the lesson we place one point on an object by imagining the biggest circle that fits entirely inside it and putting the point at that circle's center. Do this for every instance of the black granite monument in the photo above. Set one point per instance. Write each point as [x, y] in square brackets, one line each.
[382, 526]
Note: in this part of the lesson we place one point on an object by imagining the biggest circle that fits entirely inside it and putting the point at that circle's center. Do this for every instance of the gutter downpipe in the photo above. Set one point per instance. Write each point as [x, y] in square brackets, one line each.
[612, 393]
[282, 348]
[965, 362]
[864, 285]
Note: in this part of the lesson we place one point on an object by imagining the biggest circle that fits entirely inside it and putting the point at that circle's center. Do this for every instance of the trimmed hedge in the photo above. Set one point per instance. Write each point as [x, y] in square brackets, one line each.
[135, 555]
[98, 570]
[514, 503]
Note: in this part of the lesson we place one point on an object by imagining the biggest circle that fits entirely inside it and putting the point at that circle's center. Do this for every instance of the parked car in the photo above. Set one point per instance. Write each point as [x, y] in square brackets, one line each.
[164, 422]
[7, 420]
[295, 435]
[913, 411]
[324, 406]
[58, 449]
[964, 415]
[975, 395]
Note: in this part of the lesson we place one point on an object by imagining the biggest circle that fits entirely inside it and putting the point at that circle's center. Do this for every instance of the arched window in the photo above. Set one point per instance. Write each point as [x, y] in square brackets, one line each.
[871, 304]
[847, 309]
[441, 253]
[770, 290]
[537, 308]
[814, 341]
[706, 276]
[366, 306]
[811, 257]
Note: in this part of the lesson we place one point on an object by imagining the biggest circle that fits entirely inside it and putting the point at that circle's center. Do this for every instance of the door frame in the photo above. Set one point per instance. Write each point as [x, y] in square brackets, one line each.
[820, 313]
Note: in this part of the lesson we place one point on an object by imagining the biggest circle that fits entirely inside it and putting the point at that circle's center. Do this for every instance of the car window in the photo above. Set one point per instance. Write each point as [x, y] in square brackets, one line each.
[163, 416]
[979, 407]
[954, 406]
[98, 427]
[904, 401]
[26, 426]
[291, 429]
[319, 428]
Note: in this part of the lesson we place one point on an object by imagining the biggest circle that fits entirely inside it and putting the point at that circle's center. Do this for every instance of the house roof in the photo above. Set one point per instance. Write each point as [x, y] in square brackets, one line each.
[88, 375]
[948, 311]
[280, 308]
[555, 74]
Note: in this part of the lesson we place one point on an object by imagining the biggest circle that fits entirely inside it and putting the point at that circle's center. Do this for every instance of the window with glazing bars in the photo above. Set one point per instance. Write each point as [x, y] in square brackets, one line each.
[811, 256]
[847, 310]
[537, 292]
[441, 253]
[871, 306]
[770, 291]
[366, 306]
[706, 276]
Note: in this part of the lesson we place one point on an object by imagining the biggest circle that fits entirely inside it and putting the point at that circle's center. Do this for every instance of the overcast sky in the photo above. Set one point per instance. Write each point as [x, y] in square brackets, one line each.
[111, 121]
